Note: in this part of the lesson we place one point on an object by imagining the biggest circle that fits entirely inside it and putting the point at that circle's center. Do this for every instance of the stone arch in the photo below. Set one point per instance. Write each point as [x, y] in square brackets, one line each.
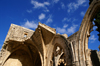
[61, 48]
[36, 55]
[24, 55]
[19, 58]
[84, 33]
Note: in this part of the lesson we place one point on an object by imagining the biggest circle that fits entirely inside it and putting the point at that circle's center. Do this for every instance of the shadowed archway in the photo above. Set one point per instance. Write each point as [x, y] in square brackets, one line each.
[24, 57]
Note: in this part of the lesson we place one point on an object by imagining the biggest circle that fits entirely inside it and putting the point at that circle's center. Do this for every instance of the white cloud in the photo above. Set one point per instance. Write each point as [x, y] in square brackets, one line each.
[69, 19]
[41, 16]
[65, 26]
[62, 5]
[38, 5]
[55, 1]
[29, 11]
[82, 13]
[61, 30]
[80, 2]
[29, 24]
[66, 19]
[73, 6]
[72, 29]
[46, 10]
[49, 20]
[41, 5]
[46, 3]
[66, 30]
[92, 38]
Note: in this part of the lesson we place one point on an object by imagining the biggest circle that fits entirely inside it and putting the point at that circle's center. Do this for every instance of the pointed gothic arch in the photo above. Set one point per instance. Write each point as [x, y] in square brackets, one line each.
[23, 55]
[62, 52]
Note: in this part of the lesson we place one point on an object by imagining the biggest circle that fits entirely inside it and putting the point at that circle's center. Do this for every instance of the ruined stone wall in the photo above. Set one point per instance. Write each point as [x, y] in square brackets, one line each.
[84, 33]
[18, 33]
[43, 47]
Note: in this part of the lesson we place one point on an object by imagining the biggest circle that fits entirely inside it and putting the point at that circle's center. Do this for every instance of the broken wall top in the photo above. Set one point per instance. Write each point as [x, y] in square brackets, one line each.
[18, 33]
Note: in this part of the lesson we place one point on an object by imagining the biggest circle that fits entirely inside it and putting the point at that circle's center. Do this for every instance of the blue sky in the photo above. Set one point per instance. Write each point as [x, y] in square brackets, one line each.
[63, 15]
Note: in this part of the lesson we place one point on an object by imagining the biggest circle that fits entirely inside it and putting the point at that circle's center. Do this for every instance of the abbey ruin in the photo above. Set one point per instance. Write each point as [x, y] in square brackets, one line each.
[44, 47]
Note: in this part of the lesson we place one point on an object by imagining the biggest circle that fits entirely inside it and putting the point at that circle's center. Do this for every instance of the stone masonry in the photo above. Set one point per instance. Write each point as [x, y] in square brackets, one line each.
[45, 47]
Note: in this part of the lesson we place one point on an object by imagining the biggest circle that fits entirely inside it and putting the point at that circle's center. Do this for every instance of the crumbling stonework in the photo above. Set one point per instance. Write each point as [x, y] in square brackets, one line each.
[44, 47]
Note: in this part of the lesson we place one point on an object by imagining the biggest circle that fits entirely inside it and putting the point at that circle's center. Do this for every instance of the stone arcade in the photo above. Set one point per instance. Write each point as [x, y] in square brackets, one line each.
[44, 47]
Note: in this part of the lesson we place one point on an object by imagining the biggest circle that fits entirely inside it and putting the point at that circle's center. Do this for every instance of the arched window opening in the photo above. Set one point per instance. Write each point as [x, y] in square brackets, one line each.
[21, 57]
[94, 39]
[93, 43]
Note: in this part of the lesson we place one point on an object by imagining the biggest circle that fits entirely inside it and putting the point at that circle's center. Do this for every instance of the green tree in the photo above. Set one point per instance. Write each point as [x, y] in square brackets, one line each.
[97, 20]
[90, 1]
[97, 23]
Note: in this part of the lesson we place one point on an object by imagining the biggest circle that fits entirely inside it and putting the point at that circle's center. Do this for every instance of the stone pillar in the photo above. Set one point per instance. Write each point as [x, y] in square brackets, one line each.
[88, 59]
[75, 63]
